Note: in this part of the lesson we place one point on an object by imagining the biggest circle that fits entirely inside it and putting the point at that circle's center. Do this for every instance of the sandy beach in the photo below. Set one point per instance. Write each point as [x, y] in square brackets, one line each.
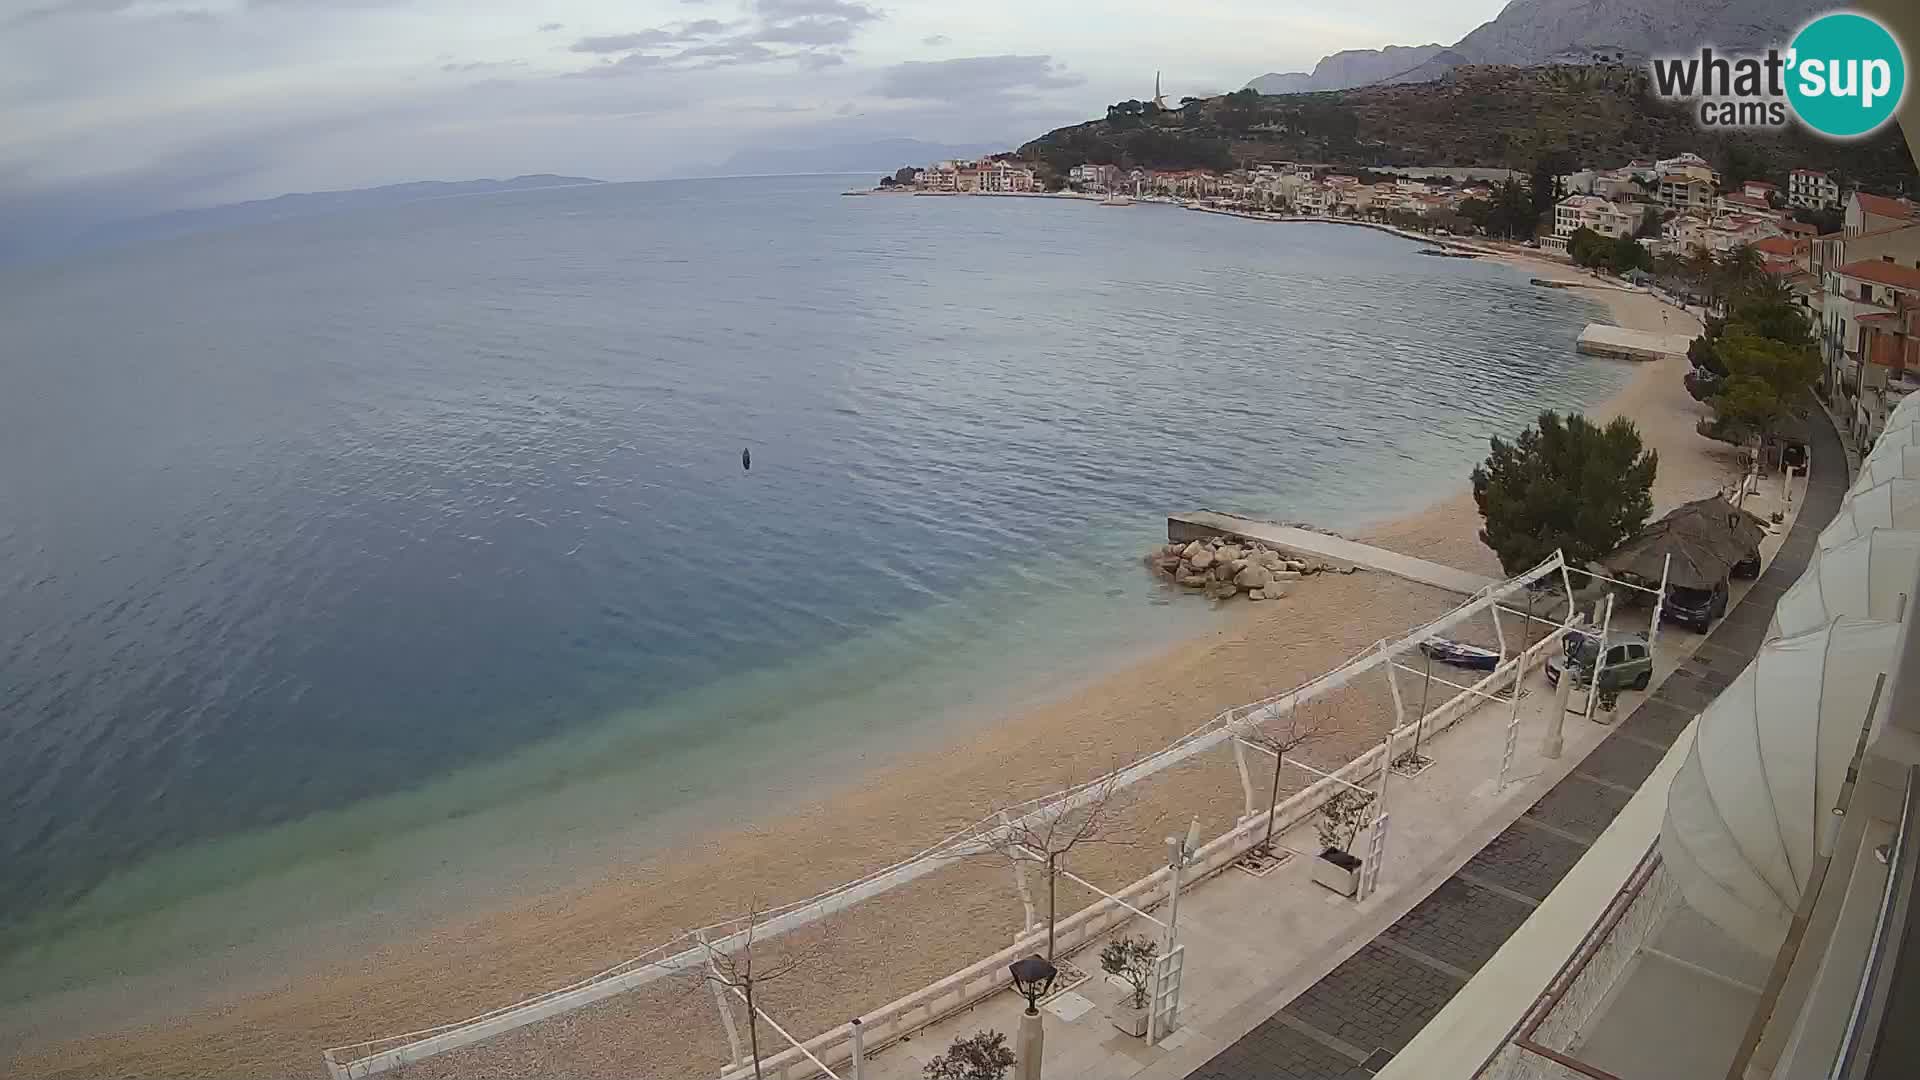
[914, 935]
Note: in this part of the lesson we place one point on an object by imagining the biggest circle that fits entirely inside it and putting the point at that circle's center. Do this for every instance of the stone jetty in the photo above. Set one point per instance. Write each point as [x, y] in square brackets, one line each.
[1222, 568]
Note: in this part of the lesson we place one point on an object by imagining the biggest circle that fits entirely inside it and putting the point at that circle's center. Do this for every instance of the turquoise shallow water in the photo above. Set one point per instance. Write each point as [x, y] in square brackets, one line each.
[408, 551]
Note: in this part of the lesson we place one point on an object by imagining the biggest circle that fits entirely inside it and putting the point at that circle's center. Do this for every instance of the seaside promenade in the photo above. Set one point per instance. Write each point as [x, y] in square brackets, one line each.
[1287, 980]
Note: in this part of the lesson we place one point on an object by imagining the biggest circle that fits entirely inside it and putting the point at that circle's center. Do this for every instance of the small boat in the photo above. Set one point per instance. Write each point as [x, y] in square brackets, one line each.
[1460, 654]
[1117, 200]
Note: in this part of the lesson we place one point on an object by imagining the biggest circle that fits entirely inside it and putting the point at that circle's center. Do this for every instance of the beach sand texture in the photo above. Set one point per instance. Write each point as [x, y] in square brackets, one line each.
[917, 934]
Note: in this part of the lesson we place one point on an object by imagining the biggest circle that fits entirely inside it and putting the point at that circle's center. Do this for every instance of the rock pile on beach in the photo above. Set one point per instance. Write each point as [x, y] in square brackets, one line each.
[1223, 567]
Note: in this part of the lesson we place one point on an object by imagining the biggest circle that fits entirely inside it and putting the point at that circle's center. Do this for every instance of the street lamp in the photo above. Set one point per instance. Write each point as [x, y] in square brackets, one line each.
[1033, 977]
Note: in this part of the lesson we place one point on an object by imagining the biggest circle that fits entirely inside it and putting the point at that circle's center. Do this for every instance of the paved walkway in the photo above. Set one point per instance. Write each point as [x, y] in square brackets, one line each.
[1181, 527]
[1350, 1024]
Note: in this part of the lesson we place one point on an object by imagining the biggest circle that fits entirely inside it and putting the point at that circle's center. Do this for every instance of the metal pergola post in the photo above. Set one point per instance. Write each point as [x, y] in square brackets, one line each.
[1600, 659]
[1660, 602]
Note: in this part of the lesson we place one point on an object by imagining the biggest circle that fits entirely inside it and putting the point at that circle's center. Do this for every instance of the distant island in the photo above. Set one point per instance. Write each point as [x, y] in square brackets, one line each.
[312, 204]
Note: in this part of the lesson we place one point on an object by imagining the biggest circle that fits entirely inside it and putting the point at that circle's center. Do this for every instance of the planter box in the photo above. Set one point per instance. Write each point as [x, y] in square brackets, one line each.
[1129, 1019]
[1338, 871]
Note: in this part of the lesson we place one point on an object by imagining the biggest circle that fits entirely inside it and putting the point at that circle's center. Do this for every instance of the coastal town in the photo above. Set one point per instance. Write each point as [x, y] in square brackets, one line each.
[1850, 257]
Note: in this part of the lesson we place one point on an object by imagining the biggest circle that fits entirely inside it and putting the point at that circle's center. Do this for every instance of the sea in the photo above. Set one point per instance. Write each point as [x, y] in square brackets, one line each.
[408, 556]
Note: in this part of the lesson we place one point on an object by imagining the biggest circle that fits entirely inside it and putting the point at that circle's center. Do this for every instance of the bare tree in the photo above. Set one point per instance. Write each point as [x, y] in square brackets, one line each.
[1303, 725]
[740, 969]
[1084, 815]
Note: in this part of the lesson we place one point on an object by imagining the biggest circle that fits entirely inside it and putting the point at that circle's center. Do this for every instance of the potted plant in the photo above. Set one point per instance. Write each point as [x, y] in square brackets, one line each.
[983, 1055]
[1131, 959]
[1340, 819]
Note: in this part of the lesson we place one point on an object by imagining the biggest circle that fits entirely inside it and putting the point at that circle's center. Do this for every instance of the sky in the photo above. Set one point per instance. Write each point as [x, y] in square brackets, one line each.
[115, 108]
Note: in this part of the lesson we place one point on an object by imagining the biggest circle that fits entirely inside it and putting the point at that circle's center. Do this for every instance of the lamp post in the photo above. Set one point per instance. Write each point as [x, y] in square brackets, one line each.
[1033, 977]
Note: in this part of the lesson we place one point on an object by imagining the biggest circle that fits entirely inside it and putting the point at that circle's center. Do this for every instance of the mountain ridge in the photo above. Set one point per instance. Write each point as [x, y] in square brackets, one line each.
[1533, 32]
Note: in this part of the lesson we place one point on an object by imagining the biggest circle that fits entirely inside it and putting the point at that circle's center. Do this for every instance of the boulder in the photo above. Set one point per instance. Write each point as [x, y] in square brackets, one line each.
[1223, 571]
[1229, 552]
[1285, 575]
[1253, 577]
[1192, 549]
[1257, 594]
[1200, 560]
[1269, 559]
[1221, 590]
[1296, 566]
[1238, 565]
[1193, 582]
[1176, 550]
[1275, 592]
[1167, 564]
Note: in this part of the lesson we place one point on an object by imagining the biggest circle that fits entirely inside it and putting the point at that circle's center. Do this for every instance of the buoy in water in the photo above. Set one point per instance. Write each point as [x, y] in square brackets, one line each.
[746, 459]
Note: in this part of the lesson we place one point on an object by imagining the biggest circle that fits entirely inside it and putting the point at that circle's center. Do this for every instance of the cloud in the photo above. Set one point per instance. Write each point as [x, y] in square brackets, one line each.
[615, 43]
[814, 34]
[935, 39]
[68, 7]
[547, 28]
[481, 65]
[973, 78]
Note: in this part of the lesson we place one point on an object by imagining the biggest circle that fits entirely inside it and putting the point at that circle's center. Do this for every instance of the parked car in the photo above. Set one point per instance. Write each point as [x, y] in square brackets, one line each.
[1748, 567]
[1694, 609]
[1629, 662]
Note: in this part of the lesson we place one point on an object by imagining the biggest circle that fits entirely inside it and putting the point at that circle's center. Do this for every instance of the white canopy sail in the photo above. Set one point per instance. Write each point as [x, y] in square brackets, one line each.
[1870, 576]
[1749, 810]
[1896, 460]
[1893, 504]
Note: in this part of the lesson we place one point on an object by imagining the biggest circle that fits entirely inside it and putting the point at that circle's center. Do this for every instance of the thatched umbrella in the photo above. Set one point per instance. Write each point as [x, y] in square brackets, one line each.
[1705, 538]
[1733, 532]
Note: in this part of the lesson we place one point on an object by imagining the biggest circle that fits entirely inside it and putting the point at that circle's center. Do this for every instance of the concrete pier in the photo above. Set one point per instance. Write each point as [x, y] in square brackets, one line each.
[1331, 549]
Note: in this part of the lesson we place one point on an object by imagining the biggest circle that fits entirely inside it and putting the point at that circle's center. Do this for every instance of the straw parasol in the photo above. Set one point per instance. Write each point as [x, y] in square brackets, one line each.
[1705, 538]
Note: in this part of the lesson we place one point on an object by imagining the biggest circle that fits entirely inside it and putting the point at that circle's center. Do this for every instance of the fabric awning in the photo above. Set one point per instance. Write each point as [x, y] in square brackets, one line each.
[1750, 808]
[1893, 460]
[1870, 576]
[1892, 504]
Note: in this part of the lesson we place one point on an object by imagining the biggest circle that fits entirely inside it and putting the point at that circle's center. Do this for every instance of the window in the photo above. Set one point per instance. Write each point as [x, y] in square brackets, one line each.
[1617, 655]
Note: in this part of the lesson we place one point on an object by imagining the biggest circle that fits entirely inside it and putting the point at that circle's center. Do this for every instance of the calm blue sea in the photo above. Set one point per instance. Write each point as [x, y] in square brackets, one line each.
[321, 535]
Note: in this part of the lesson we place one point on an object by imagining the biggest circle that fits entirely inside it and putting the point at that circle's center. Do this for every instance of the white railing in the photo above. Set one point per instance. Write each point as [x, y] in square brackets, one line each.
[690, 951]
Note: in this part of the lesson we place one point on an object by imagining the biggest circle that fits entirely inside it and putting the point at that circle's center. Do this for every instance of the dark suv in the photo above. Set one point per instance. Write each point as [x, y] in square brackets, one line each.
[1694, 609]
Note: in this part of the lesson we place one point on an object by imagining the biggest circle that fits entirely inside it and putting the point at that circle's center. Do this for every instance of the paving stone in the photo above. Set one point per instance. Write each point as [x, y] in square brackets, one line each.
[1579, 806]
[1527, 860]
[1277, 1050]
[1377, 998]
[1657, 721]
[1622, 761]
[1460, 923]
[1685, 690]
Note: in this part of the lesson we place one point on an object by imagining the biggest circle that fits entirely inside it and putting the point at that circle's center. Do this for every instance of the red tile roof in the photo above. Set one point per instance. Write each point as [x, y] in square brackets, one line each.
[1800, 228]
[1777, 245]
[1884, 273]
[1754, 202]
[1881, 206]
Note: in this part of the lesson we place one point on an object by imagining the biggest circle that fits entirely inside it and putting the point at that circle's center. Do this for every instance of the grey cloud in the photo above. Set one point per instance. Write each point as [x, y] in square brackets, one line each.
[812, 33]
[547, 28]
[795, 9]
[626, 65]
[481, 65]
[935, 39]
[613, 43]
[972, 78]
[68, 7]
[729, 53]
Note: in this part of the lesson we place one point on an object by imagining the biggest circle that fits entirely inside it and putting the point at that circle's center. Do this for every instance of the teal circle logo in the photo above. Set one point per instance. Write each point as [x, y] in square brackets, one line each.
[1846, 75]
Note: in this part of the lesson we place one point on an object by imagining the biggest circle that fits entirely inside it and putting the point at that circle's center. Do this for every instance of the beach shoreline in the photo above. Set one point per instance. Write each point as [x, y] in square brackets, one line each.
[479, 960]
